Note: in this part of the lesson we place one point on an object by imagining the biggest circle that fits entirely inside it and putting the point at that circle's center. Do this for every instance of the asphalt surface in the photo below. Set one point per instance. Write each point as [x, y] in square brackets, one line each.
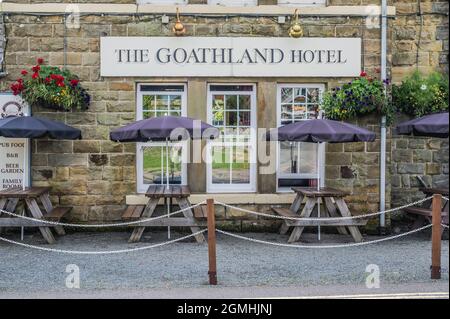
[244, 269]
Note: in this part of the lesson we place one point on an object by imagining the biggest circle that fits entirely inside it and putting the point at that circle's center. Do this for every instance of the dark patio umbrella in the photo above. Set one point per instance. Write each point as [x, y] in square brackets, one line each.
[34, 127]
[434, 125]
[319, 131]
[164, 128]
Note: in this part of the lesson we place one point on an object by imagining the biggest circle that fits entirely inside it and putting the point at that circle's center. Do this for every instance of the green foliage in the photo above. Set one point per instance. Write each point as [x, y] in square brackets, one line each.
[51, 87]
[419, 95]
[361, 96]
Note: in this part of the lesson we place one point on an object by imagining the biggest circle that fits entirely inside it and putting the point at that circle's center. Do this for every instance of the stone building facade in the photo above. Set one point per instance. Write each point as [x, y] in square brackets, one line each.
[98, 177]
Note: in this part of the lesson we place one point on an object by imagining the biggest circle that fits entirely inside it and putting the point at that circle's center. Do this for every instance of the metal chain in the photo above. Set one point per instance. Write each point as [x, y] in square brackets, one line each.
[445, 226]
[328, 218]
[446, 198]
[109, 252]
[324, 246]
[102, 225]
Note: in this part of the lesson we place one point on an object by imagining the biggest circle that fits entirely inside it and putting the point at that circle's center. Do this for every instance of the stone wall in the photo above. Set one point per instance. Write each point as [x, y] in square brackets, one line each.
[419, 41]
[414, 157]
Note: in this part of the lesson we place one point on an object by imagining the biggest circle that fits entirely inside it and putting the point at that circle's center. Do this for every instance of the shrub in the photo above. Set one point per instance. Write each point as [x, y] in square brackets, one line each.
[419, 95]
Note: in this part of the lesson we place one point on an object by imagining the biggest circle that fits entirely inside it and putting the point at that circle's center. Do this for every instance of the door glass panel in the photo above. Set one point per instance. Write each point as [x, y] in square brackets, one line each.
[221, 165]
[241, 165]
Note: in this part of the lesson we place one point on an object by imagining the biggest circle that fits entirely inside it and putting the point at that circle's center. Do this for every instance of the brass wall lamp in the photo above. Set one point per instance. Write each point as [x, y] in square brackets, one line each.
[296, 30]
[178, 28]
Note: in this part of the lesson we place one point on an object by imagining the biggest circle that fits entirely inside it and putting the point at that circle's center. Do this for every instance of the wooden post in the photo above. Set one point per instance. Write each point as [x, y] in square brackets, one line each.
[212, 242]
[436, 237]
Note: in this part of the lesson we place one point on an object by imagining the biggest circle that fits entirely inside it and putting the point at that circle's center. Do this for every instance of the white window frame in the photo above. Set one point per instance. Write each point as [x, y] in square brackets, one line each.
[141, 187]
[302, 3]
[234, 3]
[233, 188]
[279, 175]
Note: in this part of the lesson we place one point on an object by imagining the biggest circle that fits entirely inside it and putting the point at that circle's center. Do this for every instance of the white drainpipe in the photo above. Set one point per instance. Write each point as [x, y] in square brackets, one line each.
[383, 120]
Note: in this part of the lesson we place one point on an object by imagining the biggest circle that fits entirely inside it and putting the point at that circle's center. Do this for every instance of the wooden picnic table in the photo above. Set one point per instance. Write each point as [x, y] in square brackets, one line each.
[333, 205]
[32, 196]
[155, 193]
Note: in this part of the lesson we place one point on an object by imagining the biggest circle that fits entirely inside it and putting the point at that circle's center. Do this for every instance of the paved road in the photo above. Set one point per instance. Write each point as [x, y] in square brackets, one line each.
[244, 269]
[432, 290]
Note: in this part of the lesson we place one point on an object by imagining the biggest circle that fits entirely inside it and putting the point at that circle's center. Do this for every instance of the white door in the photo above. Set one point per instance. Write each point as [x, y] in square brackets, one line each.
[231, 161]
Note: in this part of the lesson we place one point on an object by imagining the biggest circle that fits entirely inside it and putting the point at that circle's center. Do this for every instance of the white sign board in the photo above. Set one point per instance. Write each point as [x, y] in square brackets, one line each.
[230, 57]
[14, 152]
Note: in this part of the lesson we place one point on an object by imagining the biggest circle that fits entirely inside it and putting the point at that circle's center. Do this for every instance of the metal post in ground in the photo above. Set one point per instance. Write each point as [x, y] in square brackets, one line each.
[212, 242]
[436, 237]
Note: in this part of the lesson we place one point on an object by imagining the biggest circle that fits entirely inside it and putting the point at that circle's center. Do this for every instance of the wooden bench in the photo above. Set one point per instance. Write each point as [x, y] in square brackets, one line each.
[56, 214]
[201, 212]
[286, 212]
[422, 211]
[133, 212]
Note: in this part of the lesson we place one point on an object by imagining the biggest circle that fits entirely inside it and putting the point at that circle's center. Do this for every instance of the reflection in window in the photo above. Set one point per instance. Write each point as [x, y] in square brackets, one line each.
[154, 165]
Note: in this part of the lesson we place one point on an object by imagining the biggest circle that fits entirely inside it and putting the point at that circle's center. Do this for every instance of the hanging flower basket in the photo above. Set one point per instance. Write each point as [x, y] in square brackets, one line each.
[362, 96]
[52, 88]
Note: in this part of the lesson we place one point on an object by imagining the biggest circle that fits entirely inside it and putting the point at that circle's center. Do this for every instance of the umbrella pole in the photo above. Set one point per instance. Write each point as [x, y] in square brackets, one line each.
[167, 184]
[318, 187]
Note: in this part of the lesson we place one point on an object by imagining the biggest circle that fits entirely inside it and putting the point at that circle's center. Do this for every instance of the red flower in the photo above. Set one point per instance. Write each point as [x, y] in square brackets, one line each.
[24, 72]
[363, 74]
[36, 68]
[60, 84]
[17, 87]
[20, 80]
[40, 60]
[47, 80]
[74, 82]
[35, 75]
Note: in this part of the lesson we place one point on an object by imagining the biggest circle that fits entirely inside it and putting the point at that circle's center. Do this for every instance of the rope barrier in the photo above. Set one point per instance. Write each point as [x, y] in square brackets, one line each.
[324, 246]
[103, 225]
[445, 198]
[110, 252]
[328, 218]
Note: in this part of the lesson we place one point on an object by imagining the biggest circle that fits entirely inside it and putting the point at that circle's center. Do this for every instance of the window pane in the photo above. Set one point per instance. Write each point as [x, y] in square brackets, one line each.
[231, 102]
[162, 102]
[241, 166]
[175, 102]
[288, 158]
[148, 114]
[308, 158]
[147, 103]
[244, 118]
[221, 165]
[231, 118]
[244, 102]
[286, 95]
[155, 165]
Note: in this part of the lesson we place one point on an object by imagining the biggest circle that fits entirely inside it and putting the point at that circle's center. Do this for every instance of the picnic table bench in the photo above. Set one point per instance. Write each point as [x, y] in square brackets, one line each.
[155, 193]
[32, 196]
[425, 214]
[334, 206]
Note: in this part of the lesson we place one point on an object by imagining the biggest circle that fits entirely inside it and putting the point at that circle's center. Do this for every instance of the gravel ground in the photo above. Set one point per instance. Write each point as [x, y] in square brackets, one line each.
[185, 264]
